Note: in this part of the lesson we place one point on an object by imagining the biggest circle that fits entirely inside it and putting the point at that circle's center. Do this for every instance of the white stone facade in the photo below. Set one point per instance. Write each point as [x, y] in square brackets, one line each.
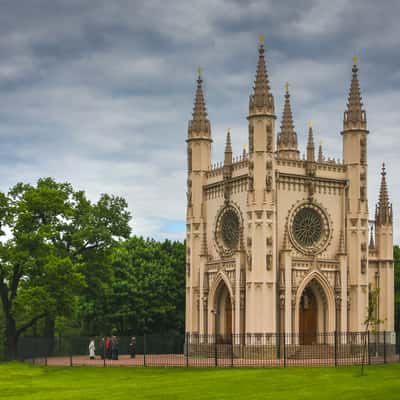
[280, 244]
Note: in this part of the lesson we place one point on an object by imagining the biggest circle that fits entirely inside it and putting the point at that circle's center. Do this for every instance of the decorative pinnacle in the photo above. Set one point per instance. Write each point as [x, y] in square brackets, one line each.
[383, 213]
[354, 116]
[199, 123]
[355, 60]
[310, 124]
[310, 144]
[371, 239]
[287, 137]
[228, 154]
[262, 39]
[261, 101]
[199, 71]
[320, 154]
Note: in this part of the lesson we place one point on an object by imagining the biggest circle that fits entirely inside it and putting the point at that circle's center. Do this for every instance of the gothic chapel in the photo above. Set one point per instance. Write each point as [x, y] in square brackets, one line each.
[276, 243]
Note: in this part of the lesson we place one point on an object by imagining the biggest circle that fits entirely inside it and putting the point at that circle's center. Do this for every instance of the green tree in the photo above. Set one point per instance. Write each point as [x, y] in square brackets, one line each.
[55, 238]
[148, 290]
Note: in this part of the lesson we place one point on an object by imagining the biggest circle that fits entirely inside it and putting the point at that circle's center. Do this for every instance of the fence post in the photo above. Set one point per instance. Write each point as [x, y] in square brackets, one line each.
[368, 352]
[70, 352]
[335, 339]
[104, 352]
[187, 349]
[46, 351]
[384, 347]
[232, 338]
[144, 349]
[284, 349]
[215, 351]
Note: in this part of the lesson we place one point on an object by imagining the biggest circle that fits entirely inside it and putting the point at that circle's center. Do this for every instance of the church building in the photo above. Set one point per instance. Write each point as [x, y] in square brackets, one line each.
[282, 243]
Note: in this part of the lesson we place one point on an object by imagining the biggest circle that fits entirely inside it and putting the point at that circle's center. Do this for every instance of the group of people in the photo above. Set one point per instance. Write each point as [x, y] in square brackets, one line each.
[110, 348]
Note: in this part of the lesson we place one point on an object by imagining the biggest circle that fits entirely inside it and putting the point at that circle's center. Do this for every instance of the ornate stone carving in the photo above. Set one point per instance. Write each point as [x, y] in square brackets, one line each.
[309, 229]
[268, 183]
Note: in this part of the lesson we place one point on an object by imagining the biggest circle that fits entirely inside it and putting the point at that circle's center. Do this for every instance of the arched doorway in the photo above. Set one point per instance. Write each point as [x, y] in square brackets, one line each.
[313, 313]
[223, 318]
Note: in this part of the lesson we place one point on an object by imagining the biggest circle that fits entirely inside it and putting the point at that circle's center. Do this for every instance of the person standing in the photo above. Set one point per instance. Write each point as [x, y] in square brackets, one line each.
[108, 348]
[92, 350]
[114, 347]
[132, 347]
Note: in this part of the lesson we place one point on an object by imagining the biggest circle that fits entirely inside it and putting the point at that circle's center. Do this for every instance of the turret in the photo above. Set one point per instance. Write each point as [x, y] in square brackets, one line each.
[198, 149]
[354, 137]
[260, 201]
[287, 137]
[384, 250]
[199, 161]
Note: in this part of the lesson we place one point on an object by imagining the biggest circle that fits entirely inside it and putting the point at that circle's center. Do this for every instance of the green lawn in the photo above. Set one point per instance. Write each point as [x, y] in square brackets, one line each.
[18, 381]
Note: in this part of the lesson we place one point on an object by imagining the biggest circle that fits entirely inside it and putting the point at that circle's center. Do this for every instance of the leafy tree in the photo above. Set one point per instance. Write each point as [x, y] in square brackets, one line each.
[148, 290]
[52, 252]
[371, 322]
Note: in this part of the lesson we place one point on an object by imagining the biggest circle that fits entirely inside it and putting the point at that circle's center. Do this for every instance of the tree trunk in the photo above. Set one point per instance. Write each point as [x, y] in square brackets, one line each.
[49, 329]
[11, 339]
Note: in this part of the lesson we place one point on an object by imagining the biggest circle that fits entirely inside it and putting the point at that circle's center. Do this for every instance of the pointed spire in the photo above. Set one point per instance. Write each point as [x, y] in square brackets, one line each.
[262, 100]
[320, 154]
[199, 125]
[228, 149]
[287, 137]
[371, 239]
[383, 213]
[310, 144]
[354, 116]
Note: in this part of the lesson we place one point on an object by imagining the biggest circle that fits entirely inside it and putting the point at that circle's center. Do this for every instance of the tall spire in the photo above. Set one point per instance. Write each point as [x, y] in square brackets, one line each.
[354, 116]
[262, 100]
[383, 213]
[310, 144]
[320, 154]
[287, 137]
[199, 125]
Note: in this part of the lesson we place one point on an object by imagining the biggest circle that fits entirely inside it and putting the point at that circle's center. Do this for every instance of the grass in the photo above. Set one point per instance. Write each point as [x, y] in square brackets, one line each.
[20, 381]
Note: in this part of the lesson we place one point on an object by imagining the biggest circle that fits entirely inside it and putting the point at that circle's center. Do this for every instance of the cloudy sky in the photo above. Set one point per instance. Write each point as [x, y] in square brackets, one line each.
[99, 93]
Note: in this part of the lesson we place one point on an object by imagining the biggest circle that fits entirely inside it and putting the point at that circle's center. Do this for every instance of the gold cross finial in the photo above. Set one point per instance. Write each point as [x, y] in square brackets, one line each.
[355, 59]
[287, 87]
[321, 142]
[310, 124]
[200, 71]
[262, 39]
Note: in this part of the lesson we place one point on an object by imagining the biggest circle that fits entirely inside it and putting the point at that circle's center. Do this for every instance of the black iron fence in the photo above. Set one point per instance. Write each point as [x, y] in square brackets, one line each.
[193, 350]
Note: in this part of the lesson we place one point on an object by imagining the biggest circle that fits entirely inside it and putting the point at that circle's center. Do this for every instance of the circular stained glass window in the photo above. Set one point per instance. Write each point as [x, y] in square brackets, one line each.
[307, 227]
[230, 229]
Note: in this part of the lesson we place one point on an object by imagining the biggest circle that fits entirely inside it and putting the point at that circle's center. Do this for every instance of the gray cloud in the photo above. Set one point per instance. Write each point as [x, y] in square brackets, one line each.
[99, 93]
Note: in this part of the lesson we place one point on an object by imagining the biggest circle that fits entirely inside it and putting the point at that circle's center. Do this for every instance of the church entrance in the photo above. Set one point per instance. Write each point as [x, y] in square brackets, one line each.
[224, 314]
[312, 313]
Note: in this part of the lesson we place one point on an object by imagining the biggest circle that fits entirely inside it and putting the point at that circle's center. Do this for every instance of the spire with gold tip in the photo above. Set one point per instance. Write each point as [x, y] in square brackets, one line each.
[287, 137]
[261, 101]
[354, 116]
[199, 125]
[383, 212]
